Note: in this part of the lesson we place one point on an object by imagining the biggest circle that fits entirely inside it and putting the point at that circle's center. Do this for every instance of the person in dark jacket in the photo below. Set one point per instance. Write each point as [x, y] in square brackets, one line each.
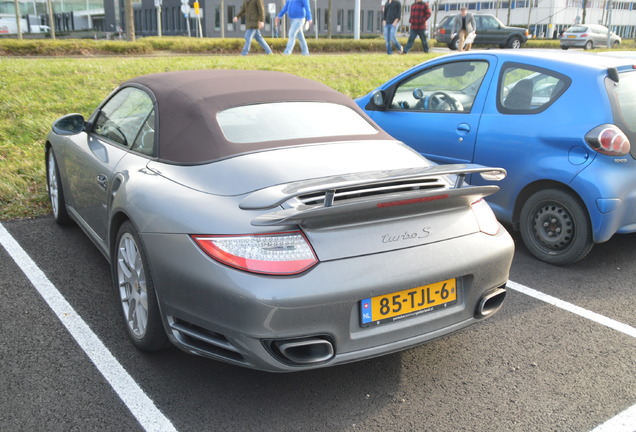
[420, 13]
[392, 15]
[254, 12]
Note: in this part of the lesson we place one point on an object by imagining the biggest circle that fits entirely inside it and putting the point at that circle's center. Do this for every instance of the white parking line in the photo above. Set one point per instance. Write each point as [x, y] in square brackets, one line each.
[139, 404]
[592, 316]
[625, 421]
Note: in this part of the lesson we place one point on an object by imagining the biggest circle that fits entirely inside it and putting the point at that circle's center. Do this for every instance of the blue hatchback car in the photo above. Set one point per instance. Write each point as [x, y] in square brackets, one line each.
[559, 123]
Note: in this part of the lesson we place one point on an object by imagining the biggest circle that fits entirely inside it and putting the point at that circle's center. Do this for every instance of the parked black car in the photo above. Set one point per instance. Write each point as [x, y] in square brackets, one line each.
[490, 31]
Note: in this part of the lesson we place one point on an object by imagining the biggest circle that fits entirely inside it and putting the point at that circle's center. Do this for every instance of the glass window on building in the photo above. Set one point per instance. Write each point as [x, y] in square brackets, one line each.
[350, 20]
[217, 18]
[370, 21]
[231, 12]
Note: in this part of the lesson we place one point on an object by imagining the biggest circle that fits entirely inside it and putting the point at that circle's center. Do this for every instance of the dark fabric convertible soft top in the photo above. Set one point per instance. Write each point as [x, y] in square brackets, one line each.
[188, 101]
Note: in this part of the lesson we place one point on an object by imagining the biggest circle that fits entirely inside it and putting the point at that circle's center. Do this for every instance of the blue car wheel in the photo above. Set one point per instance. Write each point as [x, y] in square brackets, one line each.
[555, 227]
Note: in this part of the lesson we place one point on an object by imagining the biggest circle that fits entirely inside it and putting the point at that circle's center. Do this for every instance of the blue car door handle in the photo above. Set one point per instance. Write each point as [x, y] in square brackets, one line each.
[463, 128]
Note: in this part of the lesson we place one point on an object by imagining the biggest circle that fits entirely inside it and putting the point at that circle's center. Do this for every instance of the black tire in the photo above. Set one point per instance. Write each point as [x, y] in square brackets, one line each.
[589, 45]
[555, 227]
[615, 44]
[454, 44]
[564, 47]
[56, 192]
[514, 43]
[135, 289]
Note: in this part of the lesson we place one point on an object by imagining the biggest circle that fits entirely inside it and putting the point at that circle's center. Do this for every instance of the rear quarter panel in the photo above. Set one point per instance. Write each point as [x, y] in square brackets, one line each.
[544, 146]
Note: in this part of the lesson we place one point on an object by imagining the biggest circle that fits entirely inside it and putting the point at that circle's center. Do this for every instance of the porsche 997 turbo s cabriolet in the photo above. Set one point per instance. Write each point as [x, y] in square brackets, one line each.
[264, 220]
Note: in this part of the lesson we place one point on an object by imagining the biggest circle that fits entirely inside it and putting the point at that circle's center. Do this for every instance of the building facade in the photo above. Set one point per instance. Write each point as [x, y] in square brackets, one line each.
[69, 15]
[541, 17]
[217, 17]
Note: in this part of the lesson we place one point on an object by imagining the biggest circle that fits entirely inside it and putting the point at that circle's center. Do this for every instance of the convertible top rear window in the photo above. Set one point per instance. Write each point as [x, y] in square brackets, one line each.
[291, 120]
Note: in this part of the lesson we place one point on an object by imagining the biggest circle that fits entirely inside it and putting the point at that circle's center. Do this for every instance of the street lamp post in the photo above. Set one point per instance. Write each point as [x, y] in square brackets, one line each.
[159, 24]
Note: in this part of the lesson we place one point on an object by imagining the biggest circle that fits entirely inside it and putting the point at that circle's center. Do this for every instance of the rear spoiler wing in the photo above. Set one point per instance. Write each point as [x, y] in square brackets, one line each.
[403, 203]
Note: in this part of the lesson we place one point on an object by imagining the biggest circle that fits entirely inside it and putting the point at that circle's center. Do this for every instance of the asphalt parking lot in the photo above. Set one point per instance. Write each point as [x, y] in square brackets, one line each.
[560, 356]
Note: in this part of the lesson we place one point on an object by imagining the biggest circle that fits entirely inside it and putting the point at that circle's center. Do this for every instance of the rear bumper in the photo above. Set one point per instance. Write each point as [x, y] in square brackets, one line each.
[573, 43]
[232, 316]
[607, 189]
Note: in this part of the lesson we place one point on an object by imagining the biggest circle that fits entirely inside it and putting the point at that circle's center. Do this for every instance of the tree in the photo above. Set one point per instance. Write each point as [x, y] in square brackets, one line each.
[584, 6]
[329, 25]
[130, 20]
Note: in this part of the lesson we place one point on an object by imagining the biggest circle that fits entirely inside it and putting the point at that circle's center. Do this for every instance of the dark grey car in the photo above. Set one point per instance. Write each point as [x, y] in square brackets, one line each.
[264, 220]
[490, 31]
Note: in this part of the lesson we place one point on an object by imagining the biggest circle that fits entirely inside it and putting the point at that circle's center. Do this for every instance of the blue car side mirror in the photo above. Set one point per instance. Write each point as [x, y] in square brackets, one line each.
[379, 99]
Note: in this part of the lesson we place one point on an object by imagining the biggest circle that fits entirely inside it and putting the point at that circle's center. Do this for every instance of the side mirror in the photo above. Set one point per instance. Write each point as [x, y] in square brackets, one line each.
[378, 99]
[70, 124]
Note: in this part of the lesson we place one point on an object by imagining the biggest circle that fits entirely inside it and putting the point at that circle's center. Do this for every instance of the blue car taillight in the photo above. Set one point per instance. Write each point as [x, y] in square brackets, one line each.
[609, 140]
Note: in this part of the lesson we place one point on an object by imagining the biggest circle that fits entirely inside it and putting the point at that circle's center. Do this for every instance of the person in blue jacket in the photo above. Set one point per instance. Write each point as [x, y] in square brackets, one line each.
[298, 12]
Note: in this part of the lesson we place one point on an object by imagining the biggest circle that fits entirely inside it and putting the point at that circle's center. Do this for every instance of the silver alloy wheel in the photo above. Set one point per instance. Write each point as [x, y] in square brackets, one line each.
[53, 185]
[131, 280]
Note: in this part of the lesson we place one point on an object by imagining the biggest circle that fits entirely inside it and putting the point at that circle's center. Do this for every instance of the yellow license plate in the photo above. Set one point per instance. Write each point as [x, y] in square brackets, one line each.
[571, 37]
[408, 303]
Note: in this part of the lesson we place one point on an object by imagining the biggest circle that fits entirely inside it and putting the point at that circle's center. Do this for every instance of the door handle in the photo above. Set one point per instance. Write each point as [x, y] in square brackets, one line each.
[102, 181]
[463, 128]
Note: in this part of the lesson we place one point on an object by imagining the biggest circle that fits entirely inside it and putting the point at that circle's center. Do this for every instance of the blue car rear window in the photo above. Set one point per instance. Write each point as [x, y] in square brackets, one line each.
[626, 96]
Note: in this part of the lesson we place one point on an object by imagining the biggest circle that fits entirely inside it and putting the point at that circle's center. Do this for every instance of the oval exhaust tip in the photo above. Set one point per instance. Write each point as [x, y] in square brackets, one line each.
[306, 351]
[490, 302]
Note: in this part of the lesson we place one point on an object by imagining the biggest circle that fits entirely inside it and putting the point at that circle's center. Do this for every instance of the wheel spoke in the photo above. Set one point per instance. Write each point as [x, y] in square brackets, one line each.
[141, 315]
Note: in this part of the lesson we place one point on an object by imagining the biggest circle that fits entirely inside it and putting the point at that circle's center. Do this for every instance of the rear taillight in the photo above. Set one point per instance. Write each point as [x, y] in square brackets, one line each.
[608, 140]
[486, 219]
[284, 253]
[442, 31]
[584, 35]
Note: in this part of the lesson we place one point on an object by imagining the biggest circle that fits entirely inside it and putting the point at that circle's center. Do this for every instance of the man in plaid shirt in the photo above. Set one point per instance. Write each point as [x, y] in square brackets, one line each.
[420, 13]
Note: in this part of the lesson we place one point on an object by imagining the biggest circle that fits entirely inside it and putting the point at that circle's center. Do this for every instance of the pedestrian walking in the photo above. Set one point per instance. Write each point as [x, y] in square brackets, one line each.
[463, 25]
[390, 21]
[420, 13]
[254, 12]
[299, 12]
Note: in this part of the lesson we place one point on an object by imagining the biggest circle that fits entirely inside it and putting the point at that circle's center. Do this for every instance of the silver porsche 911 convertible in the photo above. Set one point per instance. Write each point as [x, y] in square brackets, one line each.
[264, 220]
